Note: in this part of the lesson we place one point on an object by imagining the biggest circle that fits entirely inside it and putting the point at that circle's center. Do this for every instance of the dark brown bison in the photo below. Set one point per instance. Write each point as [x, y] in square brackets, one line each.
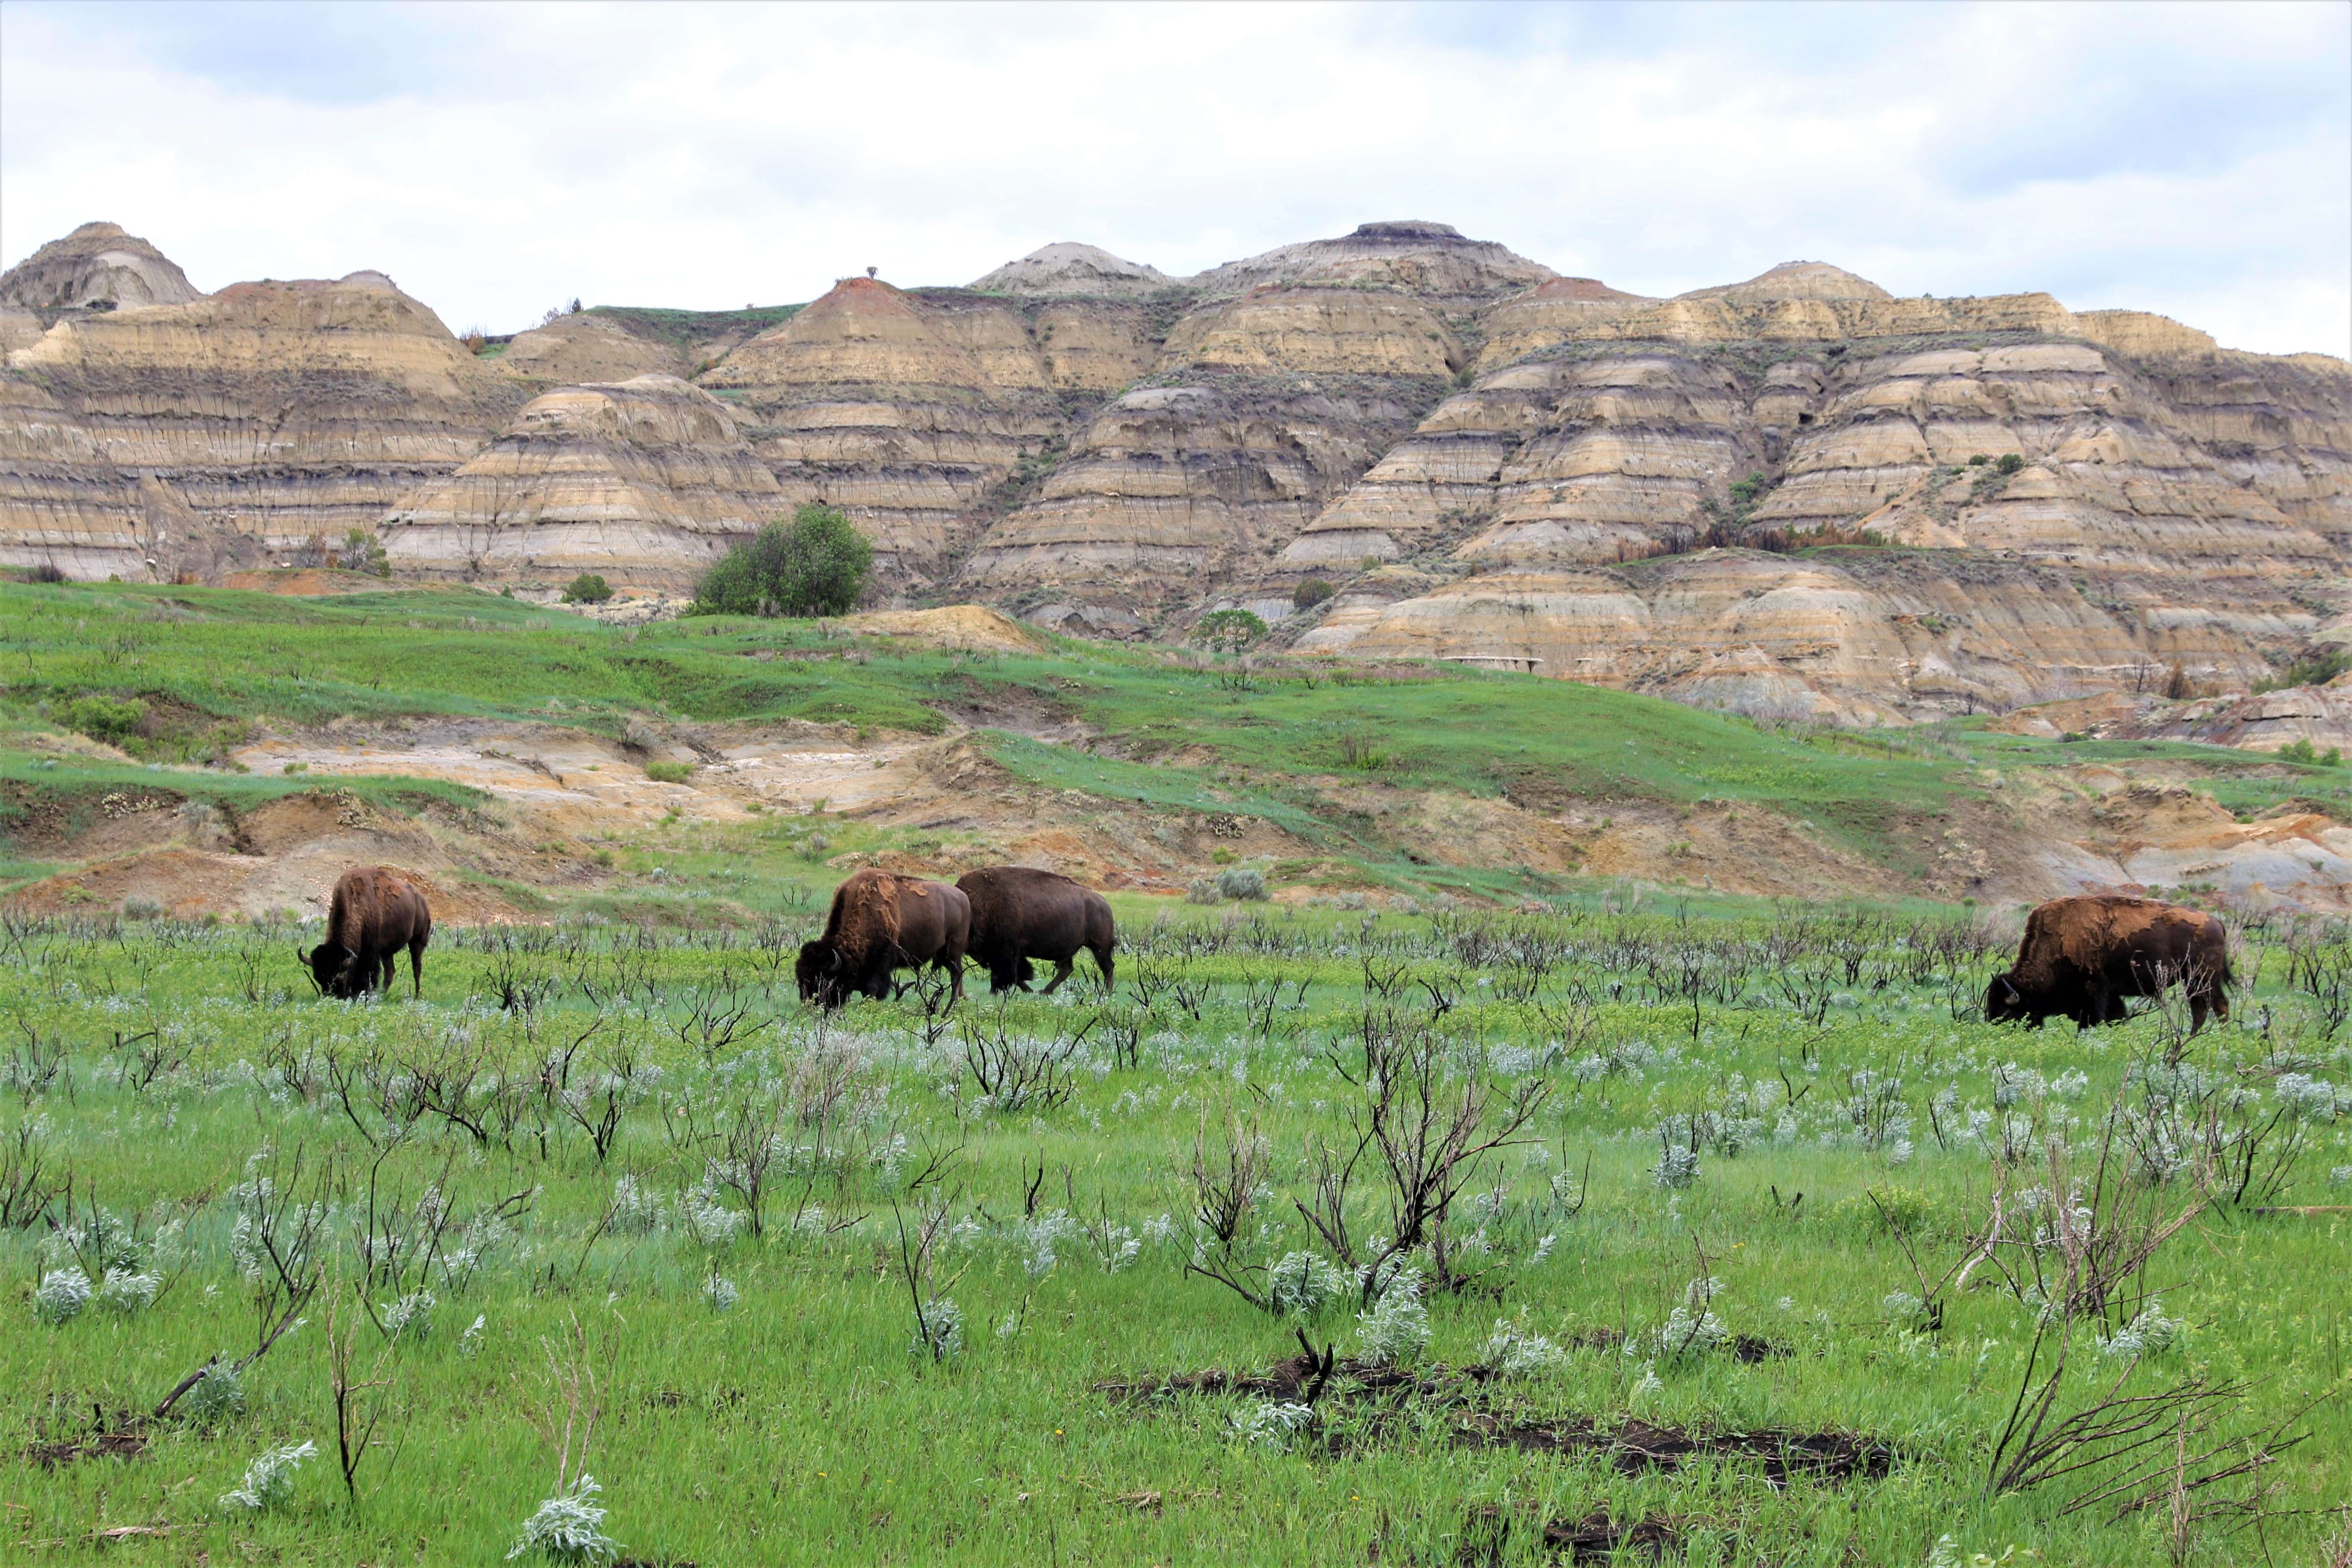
[881, 921]
[375, 912]
[2083, 957]
[1018, 914]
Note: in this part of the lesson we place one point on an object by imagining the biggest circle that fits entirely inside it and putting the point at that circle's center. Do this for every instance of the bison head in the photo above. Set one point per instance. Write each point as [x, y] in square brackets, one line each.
[2004, 1003]
[823, 972]
[331, 966]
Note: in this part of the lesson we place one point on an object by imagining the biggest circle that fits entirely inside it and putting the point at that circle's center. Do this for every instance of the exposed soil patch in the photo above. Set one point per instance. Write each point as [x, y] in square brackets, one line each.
[1594, 1539]
[1637, 1447]
[308, 582]
[105, 1446]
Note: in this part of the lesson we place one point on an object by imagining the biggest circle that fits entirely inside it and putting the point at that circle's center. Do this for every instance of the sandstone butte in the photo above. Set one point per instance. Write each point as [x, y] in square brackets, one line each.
[1491, 463]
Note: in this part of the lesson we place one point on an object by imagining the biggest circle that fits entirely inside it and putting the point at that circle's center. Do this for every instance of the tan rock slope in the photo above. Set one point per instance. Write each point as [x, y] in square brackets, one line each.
[645, 482]
[1064, 267]
[584, 347]
[912, 409]
[1408, 254]
[1794, 494]
[96, 264]
[192, 437]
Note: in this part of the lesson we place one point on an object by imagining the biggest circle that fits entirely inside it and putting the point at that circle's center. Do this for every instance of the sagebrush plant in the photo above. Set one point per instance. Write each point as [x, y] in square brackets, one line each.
[61, 1295]
[216, 1396]
[269, 1479]
[1269, 1423]
[938, 1330]
[1395, 1331]
[1511, 1349]
[568, 1527]
[1304, 1283]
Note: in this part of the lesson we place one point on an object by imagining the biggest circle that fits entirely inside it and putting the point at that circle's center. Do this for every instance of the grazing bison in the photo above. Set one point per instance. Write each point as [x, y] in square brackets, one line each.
[881, 921]
[375, 912]
[1018, 914]
[2081, 957]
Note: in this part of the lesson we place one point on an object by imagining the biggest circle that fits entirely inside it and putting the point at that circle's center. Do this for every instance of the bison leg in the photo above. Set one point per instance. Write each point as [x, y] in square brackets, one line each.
[1102, 961]
[954, 966]
[1063, 969]
[416, 966]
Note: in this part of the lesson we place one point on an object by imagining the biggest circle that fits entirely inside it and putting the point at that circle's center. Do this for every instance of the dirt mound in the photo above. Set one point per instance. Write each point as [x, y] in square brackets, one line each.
[975, 627]
[307, 582]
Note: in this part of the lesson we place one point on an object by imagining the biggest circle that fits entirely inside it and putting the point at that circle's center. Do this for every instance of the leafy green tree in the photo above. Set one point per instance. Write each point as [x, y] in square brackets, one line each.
[814, 565]
[1230, 630]
[588, 589]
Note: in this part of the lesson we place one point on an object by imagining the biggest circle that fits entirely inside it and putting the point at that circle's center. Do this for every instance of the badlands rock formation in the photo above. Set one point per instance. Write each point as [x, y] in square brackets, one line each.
[912, 409]
[645, 481]
[97, 264]
[189, 438]
[584, 347]
[1066, 269]
[1411, 254]
[1491, 462]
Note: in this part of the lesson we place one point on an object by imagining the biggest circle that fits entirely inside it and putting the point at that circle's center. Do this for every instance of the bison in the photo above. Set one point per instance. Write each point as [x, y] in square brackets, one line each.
[375, 911]
[881, 921]
[2083, 956]
[1019, 913]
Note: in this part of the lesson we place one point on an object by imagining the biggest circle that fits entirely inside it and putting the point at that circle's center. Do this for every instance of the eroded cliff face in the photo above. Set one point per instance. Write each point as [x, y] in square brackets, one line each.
[168, 439]
[1491, 462]
[2179, 503]
[97, 266]
[910, 410]
[645, 482]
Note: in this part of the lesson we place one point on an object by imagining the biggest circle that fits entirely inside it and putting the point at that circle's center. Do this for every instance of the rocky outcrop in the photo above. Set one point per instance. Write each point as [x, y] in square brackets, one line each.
[1171, 490]
[1410, 256]
[914, 410]
[185, 439]
[1069, 268]
[585, 347]
[2187, 530]
[98, 266]
[645, 482]
[1489, 459]
[1854, 636]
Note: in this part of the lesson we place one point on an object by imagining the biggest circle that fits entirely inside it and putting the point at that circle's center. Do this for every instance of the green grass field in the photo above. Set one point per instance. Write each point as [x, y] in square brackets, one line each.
[1682, 1282]
[548, 1167]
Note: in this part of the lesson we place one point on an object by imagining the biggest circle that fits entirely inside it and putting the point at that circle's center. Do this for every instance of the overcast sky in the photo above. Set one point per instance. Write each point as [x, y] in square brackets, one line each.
[2191, 159]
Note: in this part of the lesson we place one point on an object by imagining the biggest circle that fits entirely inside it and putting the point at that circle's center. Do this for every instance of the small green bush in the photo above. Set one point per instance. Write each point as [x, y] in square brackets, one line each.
[2303, 751]
[1246, 883]
[669, 772]
[814, 565]
[109, 719]
[1204, 892]
[1229, 629]
[1979, 461]
[2009, 463]
[362, 551]
[587, 589]
[1310, 592]
[2312, 669]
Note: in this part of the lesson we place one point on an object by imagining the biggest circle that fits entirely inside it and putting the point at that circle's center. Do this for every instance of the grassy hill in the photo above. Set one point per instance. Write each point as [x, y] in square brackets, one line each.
[176, 676]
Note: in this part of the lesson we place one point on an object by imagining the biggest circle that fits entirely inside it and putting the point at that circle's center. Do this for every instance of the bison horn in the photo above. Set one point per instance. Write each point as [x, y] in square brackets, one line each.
[304, 960]
[2005, 985]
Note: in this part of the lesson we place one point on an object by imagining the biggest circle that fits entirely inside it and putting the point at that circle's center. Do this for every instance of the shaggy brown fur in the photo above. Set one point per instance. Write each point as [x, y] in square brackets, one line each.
[375, 912]
[1019, 913]
[881, 921]
[2083, 957]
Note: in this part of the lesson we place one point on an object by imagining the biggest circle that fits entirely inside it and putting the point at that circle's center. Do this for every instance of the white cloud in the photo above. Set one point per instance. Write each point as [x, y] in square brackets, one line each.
[2193, 161]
